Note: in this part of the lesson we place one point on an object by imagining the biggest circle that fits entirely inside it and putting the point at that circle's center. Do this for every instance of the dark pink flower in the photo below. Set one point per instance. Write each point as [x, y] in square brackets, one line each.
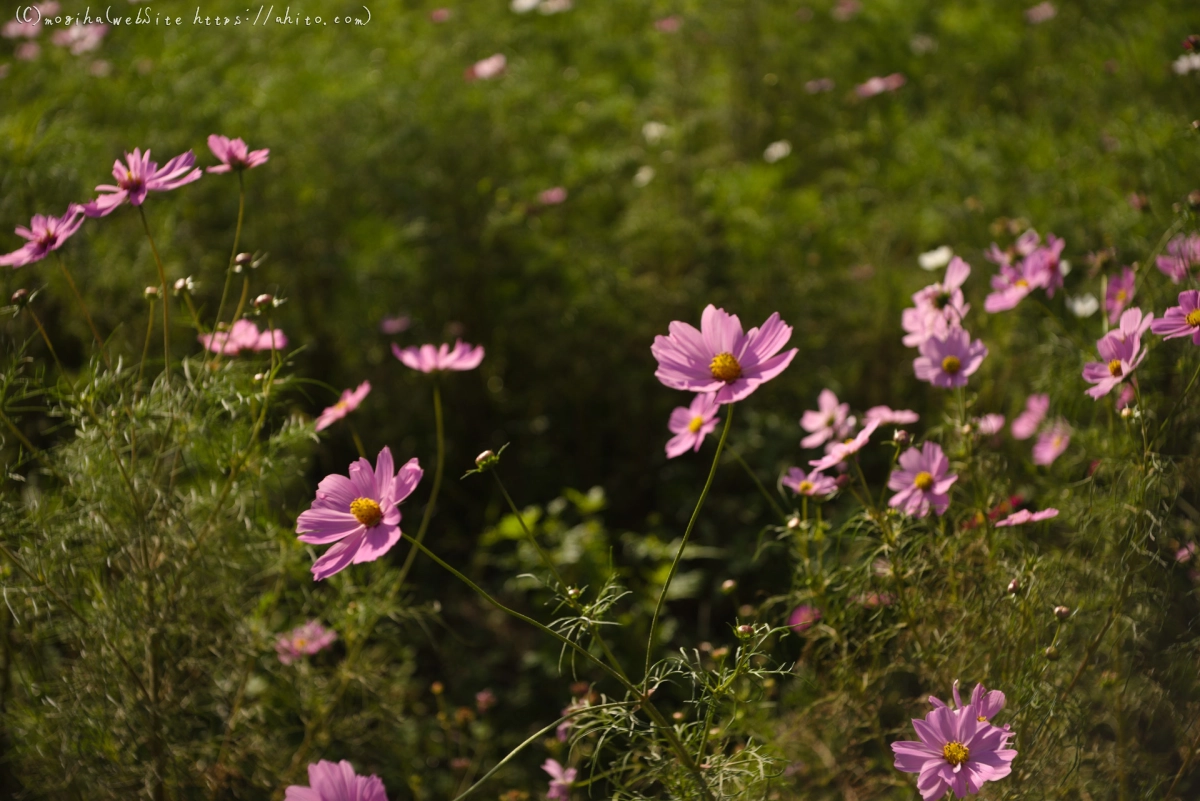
[947, 361]
[304, 640]
[1052, 443]
[561, 779]
[1025, 516]
[831, 420]
[691, 424]
[1120, 291]
[552, 196]
[139, 175]
[956, 751]
[922, 481]
[349, 401]
[44, 234]
[487, 68]
[243, 335]
[1183, 253]
[1126, 398]
[803, 617]
[719, 357]
[889, 416]
[358, 513]
[429, 359]
[1026, 423]
[234, 155]
[337, 781]
[841, 451]
[813, 485]
[1182, 320]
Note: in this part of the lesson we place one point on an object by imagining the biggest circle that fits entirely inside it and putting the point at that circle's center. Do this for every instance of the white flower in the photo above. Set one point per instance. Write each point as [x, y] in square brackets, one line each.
[523, 6]
[1064, 267]
[777, 150]
[1186, 63]
[654, 132]
[1083, 305]
[936, 259]
[645, 175]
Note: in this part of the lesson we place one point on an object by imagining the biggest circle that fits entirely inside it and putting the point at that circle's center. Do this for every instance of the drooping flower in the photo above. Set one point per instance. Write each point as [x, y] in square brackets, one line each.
[830, 420]
[337, 781]
[139, 175]
[922, 481]
[81, 39]
[841, 451]
[1052, 443]
[429, 359]
[719, 357]
[989, 424]
[487, 68]
[889, 416]
[1182, 320]
[947, 361]
[1120, 291]
[691, 424]
[814, 484]
[1121, 351]
[44, 234]
[803, 618]
[956, 751]
[1026, 423]
[358, 513]
[561, 779]
[1025, 516]
[1183, 253]
[349, 401]
[234, 155]
[304, 640]
[243, 335]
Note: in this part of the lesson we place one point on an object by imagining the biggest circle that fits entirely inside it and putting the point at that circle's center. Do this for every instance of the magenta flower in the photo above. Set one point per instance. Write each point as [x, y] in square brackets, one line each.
[337, 781]
[304, 640]
[1039, 268]
[139, 175]
[1121, 350]
[243, 335]
[1052, 443]
[948, 361]
[1183, 253]
[234, 155]
[719, 357]
[989, 424]
[803, 617]
[923, 481]
[1026, 423]
[841, 451]
[691, 424]
[889, 416]
[1025, 516]
[956, 751]
[349, 401]
[429, 359]
[814, 484]
[552, 196]
[358, 513]
[1178, 321]
[830, 421]
[561, 780]
[1120, 292]
[45, 234]
[487, 68]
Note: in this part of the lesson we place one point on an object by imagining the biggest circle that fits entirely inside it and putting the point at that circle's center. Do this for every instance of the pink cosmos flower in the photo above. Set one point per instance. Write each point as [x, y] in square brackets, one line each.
[337, 781]
[44, 234]
[1120, 292]
[234, 155]
[938, 307]
[1040, 13]
[552, 196]
[1039, 268]
[561, 780]
[243, 335]
[1052, 443]
[668, 24]
[1121, 350]
[81, 38]
[395, 325]
[889, 416]
[487, 68]
[956, 751]
[349, 401]
[139, 175]
[563, 731]
[814, 484]
[691, 424]
[923, 481]
[830, 421]
[358, 513]
[1026, 423]
[16, 29]
[803, 617]
[440, 15]
[304, 640]
[429, 359]
[1025, 516]
[989, 424]
[1178, 321]
[947, 361]
[841, 451]
[1185, 553]
[1183, 253]
[878, 85]
[719, 357]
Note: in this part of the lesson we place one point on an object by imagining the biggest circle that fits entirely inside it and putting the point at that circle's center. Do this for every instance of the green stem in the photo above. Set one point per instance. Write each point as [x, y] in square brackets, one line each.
[237, 236]
[437, 486]
[759, 484]
[83, 307]
[46, 338]
[662, 596]
[1170, 415]
[145, 351]
[162, 278]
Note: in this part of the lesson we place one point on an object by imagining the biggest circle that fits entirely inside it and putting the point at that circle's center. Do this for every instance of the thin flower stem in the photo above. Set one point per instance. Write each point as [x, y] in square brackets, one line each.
[145, 351]
[39, 455]
[1178, 402]
[437, 486]
[662, 596]
[358, 443]
[162, 278]
[1187, 764]
[237, 236]
[779, 511]
[46, 338]
[83, 307]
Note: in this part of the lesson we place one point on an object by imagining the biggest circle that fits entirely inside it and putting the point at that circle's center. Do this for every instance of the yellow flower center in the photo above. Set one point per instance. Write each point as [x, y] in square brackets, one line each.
[1121, 295]
[366, 511]
[924, 481]
[725, 367]
[981, 719]
[1114, 368]
[300, 642]
[805, 487]
[340, 405]
[1021, 282]
[696, 424]
[955, 753]
[1193, 318]
[951, 365]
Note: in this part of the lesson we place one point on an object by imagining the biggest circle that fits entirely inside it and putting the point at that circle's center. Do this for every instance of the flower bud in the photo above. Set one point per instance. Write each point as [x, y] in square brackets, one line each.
[574, 592]
[487, 460]
[20, 297]
[745, 630]
[152, 292]
[728, 586]
[1014, 586]
[720, 653]
[677, 716]
[1052, 654]
[263, 301]
[1127, 412]
[243, 259]
[1062, 612]
[793, 522]
[185, 285]
[902, 437]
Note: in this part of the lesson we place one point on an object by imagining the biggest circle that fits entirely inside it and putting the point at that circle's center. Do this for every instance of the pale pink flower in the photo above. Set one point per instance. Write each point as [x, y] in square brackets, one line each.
[234, 155]
[349, 401]
[81, 38]
[44, 234]
[874, 600]
[813, 485]
[1121, 351]
[668, 24]
[845, 10]
[552, 196]
[947, 361]
[1185, 553]
[330, 781]
[243, 335]
[989, 424]
[27, 51]
[1182, 320]
[1023, 516]
[818, 85]
[889, 416]
[1052, 443]
[487, 68]
[1026, 423]
[484, 700]
[879, 85]
[304, 640]
[841, 451]
[139, 175]
[831, 420]
[440, 15]
[1040, 13]
[691, 424]
[922, 481]
[561, 779]
[395, 325]
[1120, 291]
[1183, 253]
[429, 359]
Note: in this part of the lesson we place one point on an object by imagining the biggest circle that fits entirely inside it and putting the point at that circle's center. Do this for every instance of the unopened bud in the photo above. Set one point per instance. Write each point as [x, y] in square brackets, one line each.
[152, 292]
[20, 297]
[243, 259]
[966, 429]
[1127, 412]
[720, 653]
[263, 301]
[185, 285]
[1052, 653]
[793, 522]
[1014, 586]
[677, 715]
[574, 592]
[728, 586]
[1062, 612]
[902, 437]
[487, 460]
[745, 630]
